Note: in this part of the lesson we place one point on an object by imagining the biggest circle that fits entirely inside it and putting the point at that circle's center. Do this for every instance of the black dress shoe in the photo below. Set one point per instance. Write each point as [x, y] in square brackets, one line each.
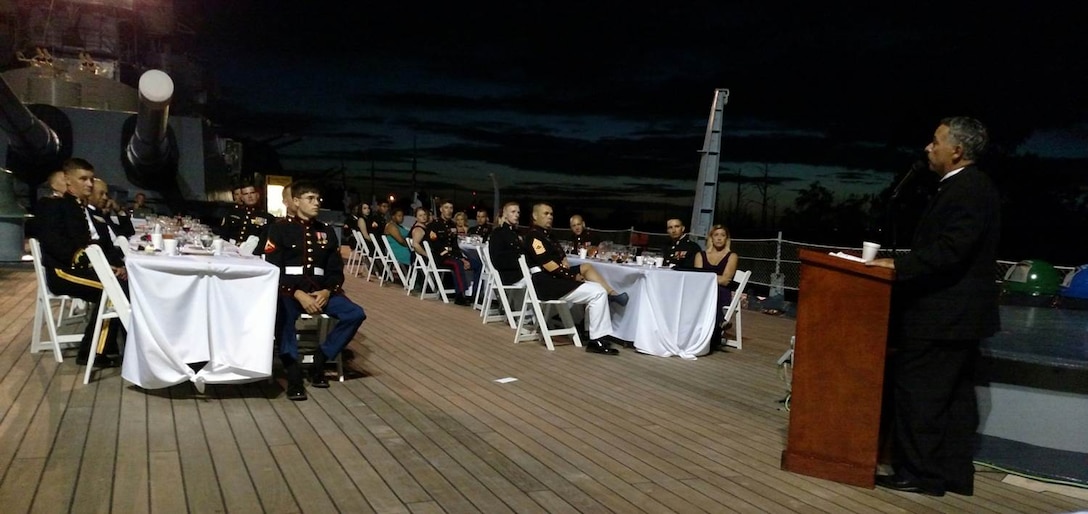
[601, 347]
[317, 371]
[620, 299]
[960, 489]
[462, 300]
[906, 485]
[100, 361]
[295, 390]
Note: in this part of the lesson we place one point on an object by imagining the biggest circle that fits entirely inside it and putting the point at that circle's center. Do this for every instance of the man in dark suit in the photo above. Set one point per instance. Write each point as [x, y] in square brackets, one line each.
[944, 302]
[65, 232]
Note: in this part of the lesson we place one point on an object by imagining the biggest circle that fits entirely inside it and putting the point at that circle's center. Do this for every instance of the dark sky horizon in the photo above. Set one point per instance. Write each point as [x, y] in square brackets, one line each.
[610, 101]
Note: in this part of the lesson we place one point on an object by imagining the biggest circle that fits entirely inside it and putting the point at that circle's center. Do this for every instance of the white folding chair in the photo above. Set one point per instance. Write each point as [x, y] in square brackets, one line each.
[378, 256]
[114, 303]
[433, 276]
[733, 311]
[43, 312]
[122, 243]
[484, 285]
[358, 255]
[323, 323]
[392, 261]
[496, 290]
[541, 322]
[418, 269]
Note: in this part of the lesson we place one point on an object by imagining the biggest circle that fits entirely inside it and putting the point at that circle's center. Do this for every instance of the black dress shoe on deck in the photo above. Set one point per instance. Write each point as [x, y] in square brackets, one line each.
[317, 372]
[295, 390]
[620, 299]
[907, 485]
[601, 347]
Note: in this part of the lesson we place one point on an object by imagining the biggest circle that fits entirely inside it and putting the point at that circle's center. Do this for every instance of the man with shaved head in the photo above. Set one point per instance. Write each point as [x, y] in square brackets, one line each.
[582, 236]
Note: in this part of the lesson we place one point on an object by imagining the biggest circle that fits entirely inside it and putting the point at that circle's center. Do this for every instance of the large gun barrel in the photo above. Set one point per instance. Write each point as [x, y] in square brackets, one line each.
[36, 145]
[151, 154]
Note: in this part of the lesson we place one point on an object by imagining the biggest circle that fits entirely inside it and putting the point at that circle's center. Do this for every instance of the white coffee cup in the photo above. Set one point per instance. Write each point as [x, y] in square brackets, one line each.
[582, 252]
[217, 246]
[868, 251]
[640, 260]
[156, 241]
[170, 246]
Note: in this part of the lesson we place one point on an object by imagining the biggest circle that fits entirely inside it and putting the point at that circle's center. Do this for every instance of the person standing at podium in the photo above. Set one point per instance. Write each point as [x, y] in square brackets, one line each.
[944, 302]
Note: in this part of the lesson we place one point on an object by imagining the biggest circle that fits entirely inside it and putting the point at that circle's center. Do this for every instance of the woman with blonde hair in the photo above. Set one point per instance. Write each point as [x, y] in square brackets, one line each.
[720, 258]
[460, 220]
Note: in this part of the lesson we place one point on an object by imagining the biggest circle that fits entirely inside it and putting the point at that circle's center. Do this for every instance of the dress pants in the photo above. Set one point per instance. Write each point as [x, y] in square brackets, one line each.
[598, 314]
[349, 318]
[936, 413]
[460, 283]
[84, 284]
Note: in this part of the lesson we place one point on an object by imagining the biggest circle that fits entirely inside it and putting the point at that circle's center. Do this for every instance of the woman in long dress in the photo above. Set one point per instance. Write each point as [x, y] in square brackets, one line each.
[720, 258]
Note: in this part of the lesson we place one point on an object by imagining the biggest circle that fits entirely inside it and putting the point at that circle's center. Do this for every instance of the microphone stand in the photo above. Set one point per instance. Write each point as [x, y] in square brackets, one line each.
[914, 168]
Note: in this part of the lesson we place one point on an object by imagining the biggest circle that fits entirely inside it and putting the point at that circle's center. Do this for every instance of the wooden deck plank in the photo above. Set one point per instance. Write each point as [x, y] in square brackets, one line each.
[202, 492]
[426, 429]
[131, 492]
[268, 481]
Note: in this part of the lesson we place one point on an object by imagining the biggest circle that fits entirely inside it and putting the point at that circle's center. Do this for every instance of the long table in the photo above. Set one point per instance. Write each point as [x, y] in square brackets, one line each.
[669, 313]
[193, 309]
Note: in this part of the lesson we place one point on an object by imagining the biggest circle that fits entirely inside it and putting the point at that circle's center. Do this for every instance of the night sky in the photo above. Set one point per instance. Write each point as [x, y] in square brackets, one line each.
[608, 101]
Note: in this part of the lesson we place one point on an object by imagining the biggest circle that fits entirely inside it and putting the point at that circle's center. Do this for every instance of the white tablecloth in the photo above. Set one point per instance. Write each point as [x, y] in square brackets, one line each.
[218, 309]
[669, 313]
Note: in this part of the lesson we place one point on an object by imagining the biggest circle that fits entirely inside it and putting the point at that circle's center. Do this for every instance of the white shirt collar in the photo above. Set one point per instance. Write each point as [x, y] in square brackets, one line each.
[951, 173]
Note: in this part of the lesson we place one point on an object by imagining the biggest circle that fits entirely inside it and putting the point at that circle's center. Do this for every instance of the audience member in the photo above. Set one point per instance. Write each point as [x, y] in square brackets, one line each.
[681, 251]
[105, 229]
[247, 219]
[418, 232]
[288, 205]
[311, 277]
[139, 208]
[554, 280]
[483, 227]
[66, 232]
[397, 235]
[582, 237]
[442, 236]
[720, 258]
[505, 245]
[58, 184]
[460, 224]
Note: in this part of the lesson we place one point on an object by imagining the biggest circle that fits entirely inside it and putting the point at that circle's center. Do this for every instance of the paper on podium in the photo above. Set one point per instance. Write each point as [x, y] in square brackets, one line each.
[846, 256]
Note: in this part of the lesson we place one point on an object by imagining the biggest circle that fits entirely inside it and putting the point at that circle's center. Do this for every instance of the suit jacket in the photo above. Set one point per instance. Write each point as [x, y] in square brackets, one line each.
[102, 226]
[61, 228]
[504, 248]
[308, 255]
[945, 287]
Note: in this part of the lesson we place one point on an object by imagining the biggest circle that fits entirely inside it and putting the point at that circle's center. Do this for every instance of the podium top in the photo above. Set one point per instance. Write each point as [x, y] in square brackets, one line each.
[824, 260]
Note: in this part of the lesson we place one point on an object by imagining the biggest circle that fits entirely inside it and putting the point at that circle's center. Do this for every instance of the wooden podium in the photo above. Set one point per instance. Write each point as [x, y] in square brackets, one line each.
[838, 374]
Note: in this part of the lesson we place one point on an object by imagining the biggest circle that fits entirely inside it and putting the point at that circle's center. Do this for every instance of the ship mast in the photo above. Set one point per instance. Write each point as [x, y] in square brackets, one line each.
[706, 187]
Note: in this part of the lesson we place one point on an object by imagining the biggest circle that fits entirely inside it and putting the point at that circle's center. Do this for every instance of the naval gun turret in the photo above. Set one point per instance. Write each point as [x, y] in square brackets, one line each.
[35, 149]
[150, 152]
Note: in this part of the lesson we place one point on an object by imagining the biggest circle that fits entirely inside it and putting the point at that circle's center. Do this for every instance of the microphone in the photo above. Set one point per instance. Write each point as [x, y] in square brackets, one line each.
[917, 166]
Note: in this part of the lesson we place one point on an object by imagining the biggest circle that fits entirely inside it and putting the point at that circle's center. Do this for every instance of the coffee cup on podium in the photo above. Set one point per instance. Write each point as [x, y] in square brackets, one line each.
[868, 251]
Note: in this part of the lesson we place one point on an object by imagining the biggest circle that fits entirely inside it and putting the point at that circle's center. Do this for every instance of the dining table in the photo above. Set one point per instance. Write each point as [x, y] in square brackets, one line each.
[669, 312]
[201, 318]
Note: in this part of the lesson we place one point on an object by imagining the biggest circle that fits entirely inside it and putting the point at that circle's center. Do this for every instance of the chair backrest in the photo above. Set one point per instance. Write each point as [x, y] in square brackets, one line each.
[122, 243]
[741, 278]
[389, 249]
[111, 288]
[39, 270]
[378, 252]
[360, 243]
[528, 276]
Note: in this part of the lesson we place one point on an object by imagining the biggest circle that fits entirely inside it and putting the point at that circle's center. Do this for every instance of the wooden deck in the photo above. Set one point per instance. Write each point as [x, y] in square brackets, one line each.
[424, 427]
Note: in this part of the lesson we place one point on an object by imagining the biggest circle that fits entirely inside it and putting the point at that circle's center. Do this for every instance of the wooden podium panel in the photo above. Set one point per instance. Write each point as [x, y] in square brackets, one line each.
[838, 375]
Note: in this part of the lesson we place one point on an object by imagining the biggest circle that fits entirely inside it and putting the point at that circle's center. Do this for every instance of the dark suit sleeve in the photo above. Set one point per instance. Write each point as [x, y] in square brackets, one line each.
[276, 248]
[964, 215]
[334, 265]
[62, 231]
[123, 227]
[504, 252]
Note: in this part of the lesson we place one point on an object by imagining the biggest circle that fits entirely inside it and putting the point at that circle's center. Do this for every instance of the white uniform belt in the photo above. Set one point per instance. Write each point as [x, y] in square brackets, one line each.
[535, 269]
[297, 270]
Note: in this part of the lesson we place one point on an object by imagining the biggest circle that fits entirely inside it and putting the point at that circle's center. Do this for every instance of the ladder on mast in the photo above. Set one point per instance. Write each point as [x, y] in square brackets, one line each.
[706, 187]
